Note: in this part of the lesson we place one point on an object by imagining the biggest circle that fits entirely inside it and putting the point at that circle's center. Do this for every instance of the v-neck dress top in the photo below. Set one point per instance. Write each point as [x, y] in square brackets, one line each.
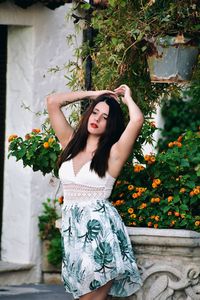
[95, 243]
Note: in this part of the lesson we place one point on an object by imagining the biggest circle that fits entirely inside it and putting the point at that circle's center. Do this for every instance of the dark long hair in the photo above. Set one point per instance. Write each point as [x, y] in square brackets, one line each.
[114, 128]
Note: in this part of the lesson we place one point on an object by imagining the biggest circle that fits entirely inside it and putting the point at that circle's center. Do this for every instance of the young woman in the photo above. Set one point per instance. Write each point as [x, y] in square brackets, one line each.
[97, 253]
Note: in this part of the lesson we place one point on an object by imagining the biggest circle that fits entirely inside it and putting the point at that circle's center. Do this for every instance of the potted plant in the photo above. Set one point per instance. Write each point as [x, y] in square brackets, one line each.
[51, 238]
[39, 149]
[171, 29]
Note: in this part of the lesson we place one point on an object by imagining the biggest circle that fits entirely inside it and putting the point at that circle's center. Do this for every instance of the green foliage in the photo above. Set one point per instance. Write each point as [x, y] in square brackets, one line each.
[48, 231]
[47, 220]
[163, 191]
[54, 255]
[38, 150]
[181, 112]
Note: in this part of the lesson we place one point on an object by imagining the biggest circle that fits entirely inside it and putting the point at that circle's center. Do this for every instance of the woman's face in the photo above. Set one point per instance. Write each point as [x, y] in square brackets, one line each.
[98, 119]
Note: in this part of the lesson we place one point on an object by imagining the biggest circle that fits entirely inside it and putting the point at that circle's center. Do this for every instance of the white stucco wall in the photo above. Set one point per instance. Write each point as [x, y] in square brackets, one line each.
[36, 42]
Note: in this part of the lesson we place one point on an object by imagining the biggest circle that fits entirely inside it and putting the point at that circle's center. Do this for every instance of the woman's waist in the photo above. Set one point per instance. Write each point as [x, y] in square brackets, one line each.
[85, 193]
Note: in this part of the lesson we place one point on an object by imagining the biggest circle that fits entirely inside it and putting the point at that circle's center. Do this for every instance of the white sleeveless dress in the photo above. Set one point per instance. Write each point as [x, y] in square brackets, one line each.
[96, 246]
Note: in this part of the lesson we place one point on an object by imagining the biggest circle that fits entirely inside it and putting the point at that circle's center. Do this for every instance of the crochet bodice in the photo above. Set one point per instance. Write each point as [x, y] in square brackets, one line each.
[86, 185]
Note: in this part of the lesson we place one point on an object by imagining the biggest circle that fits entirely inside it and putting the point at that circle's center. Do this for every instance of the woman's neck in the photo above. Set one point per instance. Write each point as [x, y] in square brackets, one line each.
[92, 143]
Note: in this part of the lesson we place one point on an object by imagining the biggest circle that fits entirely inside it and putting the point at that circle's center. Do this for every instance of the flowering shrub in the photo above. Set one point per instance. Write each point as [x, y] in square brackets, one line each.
[164, 190]
[38, 150]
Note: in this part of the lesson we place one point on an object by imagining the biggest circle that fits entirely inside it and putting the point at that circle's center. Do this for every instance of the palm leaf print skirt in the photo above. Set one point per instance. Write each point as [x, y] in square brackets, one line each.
[96, 249]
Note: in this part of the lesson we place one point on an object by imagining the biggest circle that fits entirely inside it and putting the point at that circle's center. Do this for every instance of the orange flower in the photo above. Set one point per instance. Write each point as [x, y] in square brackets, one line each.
[36, 130]
[157, 218]
[197, 223]
[157, 181]
[138, 168]
[118, 202]
[134, 195]
[183, 216]
[27, 136]
[173, 222]
[143, 205]
[152, 200]
[157, 200]
[130, 210]
[176, 213]
[191, 193]
[130, 187]
[155, 225]
[171, 144]
[182, 190]
[149, 224]
[60, 199]
[154, 185]
[152, 159]
[46, 145]
[169, 213]
[12, 137]
[170, 198]
[146, 157]
[180, 138]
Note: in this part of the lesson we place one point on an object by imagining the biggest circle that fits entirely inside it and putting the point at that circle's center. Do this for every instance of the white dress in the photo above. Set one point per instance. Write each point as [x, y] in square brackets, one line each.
[96, 246]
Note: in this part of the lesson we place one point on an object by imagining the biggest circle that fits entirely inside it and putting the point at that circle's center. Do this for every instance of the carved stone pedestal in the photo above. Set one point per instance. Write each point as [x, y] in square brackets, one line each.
[169, 261]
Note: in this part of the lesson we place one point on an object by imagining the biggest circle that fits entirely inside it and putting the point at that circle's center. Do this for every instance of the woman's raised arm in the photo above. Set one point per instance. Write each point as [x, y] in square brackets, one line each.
[123, 147]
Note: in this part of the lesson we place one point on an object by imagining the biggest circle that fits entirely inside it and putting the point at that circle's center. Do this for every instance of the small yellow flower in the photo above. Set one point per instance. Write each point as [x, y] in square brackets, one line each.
[157, 218]
[155, 225]
[51, 140]
[197, 223]
[130, 210]
[130, 187]
[173, 222]
[196, 191]
[133, 216]
[149, 224]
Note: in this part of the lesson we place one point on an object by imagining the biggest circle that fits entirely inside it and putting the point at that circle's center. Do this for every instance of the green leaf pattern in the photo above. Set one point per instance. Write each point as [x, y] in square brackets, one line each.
[97, 249]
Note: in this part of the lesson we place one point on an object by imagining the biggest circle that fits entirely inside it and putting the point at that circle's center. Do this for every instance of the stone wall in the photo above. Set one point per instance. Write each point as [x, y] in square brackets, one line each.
[169, 261]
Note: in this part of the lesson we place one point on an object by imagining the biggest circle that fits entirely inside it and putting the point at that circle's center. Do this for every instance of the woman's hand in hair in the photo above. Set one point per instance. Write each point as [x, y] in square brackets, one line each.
[124, 91]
